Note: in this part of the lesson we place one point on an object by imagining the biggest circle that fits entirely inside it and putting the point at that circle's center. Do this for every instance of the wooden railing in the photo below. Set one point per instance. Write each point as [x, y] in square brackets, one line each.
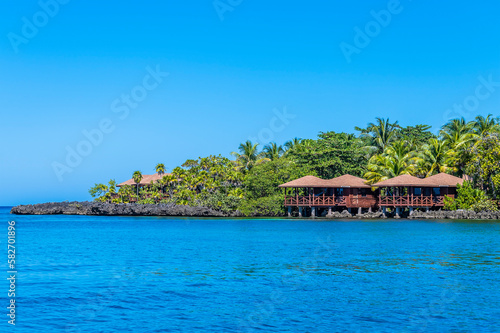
[365, 202]
[310, 200]
[330, 201]
[411, 200]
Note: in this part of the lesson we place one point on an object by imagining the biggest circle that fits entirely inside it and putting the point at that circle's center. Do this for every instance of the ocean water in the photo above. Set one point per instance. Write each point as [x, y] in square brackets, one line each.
[148, 274]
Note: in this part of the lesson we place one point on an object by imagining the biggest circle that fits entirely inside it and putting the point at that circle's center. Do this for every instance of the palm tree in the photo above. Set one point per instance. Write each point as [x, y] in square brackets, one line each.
[379, 135]
[435, 157]
[483, 126]
[458, 136]
[398, 159]
[160, 169]
[125, 192]
[137, 177]
[248, 155]
[289, 145]
[457, 133]
[272, 151]
[167, 181]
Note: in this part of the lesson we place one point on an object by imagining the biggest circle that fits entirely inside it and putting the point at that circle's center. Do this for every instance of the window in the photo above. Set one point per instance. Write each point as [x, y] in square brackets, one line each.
[436, 191]
[417, 191]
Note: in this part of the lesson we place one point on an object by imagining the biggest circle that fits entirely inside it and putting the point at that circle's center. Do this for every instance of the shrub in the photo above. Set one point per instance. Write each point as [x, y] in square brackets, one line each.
[218, 201]
[469, 198]
[265, 206]
[485, 205]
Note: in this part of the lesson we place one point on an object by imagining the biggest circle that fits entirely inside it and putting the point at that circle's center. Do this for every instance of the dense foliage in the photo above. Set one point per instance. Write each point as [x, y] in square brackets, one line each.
[470, 198]
[382, 150]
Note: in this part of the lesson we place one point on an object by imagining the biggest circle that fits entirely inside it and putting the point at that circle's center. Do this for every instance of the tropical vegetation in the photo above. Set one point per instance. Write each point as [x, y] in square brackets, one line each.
[248, 183]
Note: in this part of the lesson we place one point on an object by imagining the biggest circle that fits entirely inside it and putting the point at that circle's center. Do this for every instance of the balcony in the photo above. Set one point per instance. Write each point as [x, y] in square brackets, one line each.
[331, 201]
[411, 201]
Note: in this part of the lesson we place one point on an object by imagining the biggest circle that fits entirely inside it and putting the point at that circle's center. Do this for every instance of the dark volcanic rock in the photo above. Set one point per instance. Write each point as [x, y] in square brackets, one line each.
[109, 209]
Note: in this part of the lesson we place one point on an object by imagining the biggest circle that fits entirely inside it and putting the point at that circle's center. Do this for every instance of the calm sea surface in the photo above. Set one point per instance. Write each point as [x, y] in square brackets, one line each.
[146, 274]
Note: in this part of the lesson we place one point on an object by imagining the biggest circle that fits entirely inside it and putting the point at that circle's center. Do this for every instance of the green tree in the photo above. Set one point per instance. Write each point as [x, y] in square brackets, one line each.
[435, 157]
[248, 155]
[458, 136]
[379, 135]
[397, 159]
[160, 168]
[418, 135]
[125, 193]
[484, 165]
[262, 196]
[98, 191]
[484, 126]
[272, 151]
[331, 155]
[137, 177]
[263, 179]
[168, 181]
[469, 198]
[290, 145]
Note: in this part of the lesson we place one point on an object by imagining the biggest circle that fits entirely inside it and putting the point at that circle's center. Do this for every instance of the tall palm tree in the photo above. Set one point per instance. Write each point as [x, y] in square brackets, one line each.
[272, 151]
[379, 134]
[397, 159]
[482, 126]
[160, 169]
[167, 181]
[137, 177]
[457, 133]
[435, 157]
[459, 137]
[248, 155]
[291, 144]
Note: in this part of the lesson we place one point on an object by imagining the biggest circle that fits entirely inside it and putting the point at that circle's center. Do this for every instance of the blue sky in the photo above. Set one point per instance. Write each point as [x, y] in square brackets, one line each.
[232, 67]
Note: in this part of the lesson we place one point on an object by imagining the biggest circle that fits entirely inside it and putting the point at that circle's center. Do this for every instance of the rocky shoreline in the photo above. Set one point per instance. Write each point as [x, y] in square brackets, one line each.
[455, 215]
[111, 209]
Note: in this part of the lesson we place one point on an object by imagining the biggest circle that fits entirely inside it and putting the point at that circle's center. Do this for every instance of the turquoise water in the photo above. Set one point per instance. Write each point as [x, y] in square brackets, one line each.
[146, 274]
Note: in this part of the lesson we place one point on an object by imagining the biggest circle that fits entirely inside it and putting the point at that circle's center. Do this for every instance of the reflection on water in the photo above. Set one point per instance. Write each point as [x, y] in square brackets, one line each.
[118, 274]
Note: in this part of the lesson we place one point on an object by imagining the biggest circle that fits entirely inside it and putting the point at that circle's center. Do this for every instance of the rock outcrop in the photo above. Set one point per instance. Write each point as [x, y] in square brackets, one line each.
[455, 215]
[111, 209]
[346, 215]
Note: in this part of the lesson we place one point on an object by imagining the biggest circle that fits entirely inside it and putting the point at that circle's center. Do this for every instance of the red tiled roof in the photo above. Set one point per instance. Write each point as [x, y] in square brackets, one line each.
[443, 179]
[307, 181]
[342, 181]
[146, 180]
[401, 180]
[348, 181]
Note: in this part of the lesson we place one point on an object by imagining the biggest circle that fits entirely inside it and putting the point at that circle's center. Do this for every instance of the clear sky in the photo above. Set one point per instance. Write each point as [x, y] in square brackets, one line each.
[258, 69]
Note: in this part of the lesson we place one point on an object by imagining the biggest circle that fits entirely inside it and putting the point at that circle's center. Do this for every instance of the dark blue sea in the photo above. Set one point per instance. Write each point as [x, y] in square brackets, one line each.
[147, 274]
